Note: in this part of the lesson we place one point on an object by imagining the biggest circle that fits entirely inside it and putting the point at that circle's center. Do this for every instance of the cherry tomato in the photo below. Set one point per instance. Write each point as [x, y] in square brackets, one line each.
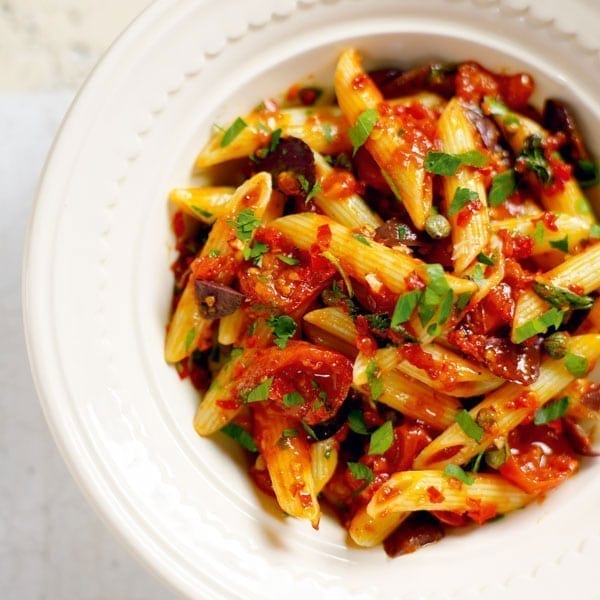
[309, 382]
[540, 457]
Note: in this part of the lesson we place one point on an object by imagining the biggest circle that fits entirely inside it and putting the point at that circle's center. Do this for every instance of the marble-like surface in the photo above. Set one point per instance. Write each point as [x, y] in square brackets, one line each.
[52, 545]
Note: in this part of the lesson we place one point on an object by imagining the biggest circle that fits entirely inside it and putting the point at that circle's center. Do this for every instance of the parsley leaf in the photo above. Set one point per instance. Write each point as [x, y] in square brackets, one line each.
[382, 439]
[245, 223]
[442, 163]
[189, 338]
[462, 197]
[288, 260]
[562, 245]
[458, 473]
[284, 328]
[240, 435]
[275, 139]
[374, 380]
[201, 212]
[261, 392]
[463, 299]
[356, 422]
[595, 231]
[551, 411]
[361, 238]
[292, 399]
[316, 189]
[551, 318]
[485, 259]
[577, 365]
[540, 232]
[234, 130]
[255, 252]
[503, 186]
[404, 308]
[378, 321]
[359, 133]
[532, 155]
[361, 472]
[309, 430]
[469, 426]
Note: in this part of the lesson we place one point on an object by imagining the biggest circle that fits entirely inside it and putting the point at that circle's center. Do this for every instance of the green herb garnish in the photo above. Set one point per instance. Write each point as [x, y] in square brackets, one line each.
[382, 439]
[284, 328]
[356, 422]
[245, 224]
[261, 392]
[374, 379]
[359, 133]
[469, 426]
[503, 186]
[292, 399]
[458, 473]
[462, 197]
[551, 411]
[240, 435]
[236, 128]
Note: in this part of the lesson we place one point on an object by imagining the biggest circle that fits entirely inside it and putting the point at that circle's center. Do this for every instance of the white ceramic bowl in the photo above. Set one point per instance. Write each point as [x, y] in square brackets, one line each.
[98, 286]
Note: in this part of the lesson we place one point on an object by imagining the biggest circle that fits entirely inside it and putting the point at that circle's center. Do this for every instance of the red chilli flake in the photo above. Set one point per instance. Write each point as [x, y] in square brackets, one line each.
[178, 224]
[435, 496]
[466, 213]
[324, 236]
[516, 245]
[360, 81]
[549, 221]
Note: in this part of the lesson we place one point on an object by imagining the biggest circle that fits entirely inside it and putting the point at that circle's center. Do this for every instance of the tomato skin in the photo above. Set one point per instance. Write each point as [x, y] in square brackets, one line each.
[288, 288]
[540, 457]
[322, 377]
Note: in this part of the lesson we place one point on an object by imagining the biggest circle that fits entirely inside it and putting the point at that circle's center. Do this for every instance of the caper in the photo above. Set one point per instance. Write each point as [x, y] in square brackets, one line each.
[556, 344]
[437, 227]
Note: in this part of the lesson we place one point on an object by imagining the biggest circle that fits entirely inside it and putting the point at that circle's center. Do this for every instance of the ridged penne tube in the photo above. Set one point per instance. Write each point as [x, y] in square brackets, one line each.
[581, 270]
[288, 458]
[403, 171]
[358, 258]
[458, 376]
[366, 531]
[187, 326]
[204, 204]
[213, 412]
[505, 408]
[231, 328]
[575, 228]
[567, 199]
[323, 460]
[348, 210]
[408, 491]
[323, 128]
[418, 401]
[332, 327]
[458, 136]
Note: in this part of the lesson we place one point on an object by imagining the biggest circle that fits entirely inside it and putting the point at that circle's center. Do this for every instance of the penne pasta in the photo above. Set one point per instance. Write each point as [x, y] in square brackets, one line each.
[404, 171]
[458, 136]
[505, 408]
[487, 495]
[204, 204]
[288, 459]
[385, 313]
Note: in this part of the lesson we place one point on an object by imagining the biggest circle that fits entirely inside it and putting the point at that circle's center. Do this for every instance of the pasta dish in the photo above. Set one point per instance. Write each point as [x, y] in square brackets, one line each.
[388, 298]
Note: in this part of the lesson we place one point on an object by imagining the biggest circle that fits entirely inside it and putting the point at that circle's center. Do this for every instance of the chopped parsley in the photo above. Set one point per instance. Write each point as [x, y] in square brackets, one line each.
[540, 232]
[359, 133]
[405, 307]
[261, 392]
[284, 328]
[245, 223]
[362, 473]
[240, 435]
[587, 173]
[234, 130]
[255, 252]
[382, 439]
[356, 422]
[275, 139]
[462, 197]
[562, 245]
[361, 238]
[485, 259]
[551, 318]
[458, 473]
[202, 212]
[503, 186]
[292, 399]
[288, 260]
[189, 338]
[469, 426]
[532, 156]
[442, 163]
[551, 411]
[309, 430]
[374, 380]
